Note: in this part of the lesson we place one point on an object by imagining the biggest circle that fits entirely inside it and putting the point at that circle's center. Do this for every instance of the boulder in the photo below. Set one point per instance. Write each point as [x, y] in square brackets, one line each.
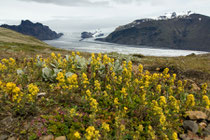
[196, 115]
[206, 131]
[184, 137]
[207, 138]
[12, 138]
[195, 87]
[49, 137]
[61, 138]
[3, 137]
[190, 125]
[202, 125]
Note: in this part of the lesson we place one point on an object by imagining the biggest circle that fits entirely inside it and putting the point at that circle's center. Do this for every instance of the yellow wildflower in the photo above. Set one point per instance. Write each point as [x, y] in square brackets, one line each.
[173, 104]
[140, 128]
[162, 101]
[108, 87]
[72, 112]
[116, 101]
[94, 104]
[88, 93]
[204, 87]
[33, 89]
[77, 135]
[78, 53]
[140, 68]
[72, 80]
[91, 133]
[53, 55]
[190, 102]
[2, 67]
[162, 119]
[122, 127]
[85, 79]
[125, 108]
[158, 88]
[174, 136]
[206, 101]
[60, 77]
[123, 91]
[166, 70]
[105, 126]
[73, 54]
[97, 85]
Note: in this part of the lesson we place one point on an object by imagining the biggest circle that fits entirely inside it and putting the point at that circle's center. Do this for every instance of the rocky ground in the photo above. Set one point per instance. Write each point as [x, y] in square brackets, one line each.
[196, 126]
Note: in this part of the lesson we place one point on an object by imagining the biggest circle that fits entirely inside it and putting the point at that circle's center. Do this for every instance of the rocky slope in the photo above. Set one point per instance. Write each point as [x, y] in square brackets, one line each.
[189, 31]
[37, 30]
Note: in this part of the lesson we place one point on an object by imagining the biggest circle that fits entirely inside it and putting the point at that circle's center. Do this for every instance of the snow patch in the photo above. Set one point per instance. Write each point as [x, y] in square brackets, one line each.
[166, 16]
[173, 15]
[97, 33]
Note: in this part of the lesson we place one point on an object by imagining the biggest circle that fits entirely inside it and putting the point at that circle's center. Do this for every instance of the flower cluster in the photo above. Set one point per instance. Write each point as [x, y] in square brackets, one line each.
[33, 90]
[206, 101]
[91, 133]
[190, 102]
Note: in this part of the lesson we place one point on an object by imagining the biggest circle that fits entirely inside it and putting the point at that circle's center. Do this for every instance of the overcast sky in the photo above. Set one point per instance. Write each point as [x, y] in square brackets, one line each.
[90, 14]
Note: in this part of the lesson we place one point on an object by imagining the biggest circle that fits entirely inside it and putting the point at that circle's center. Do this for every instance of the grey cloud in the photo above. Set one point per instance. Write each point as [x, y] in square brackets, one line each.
[71, 2]
[104, 3]
[84, 2]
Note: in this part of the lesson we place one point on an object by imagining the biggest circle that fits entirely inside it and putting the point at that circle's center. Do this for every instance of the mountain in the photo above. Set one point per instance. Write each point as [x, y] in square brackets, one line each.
[96, 34]
[86, 35]
[187, 31]
[36, 30]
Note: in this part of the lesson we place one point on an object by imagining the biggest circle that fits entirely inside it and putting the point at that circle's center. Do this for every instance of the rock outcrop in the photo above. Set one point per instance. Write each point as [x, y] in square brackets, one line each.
[196, 125]
[37, 30]
[95, 34]
[86, 35]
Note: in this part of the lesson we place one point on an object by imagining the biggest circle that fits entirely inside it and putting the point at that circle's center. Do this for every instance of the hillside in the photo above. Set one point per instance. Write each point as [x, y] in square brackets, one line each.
[9, 36]
[14, 44]
[37, 30]
[189, 32]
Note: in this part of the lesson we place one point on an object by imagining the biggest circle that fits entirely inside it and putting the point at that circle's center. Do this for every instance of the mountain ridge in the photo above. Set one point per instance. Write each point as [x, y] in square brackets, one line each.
[37, 30]
[191, 32]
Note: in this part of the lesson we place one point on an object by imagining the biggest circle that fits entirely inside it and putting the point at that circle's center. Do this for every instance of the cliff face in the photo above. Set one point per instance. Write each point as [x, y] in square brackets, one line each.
[36, 30]
[190, 32]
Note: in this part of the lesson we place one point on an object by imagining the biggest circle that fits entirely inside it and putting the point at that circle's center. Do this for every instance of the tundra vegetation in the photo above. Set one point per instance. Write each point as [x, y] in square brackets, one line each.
[98, 96]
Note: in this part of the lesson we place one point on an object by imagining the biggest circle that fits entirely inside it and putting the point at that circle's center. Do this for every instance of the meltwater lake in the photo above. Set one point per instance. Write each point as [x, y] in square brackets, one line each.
[71, 41]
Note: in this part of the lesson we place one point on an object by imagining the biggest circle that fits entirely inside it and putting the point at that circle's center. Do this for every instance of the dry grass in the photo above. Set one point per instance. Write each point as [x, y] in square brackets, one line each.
[195, 67]
[9, 36]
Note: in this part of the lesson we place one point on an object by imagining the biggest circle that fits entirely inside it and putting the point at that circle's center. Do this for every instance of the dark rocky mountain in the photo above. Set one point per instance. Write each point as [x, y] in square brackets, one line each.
[86, 35]
[37, 30]
[97, 33]
[189, 32]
